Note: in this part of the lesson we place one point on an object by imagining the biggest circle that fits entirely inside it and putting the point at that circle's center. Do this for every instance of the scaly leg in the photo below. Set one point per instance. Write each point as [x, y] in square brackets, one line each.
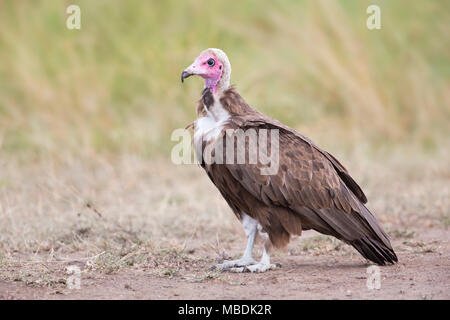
[264, 264]
[250, 227]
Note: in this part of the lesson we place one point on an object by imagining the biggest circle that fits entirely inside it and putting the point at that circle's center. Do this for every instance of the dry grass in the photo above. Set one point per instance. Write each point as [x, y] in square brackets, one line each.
[131, 212]
[114, 85]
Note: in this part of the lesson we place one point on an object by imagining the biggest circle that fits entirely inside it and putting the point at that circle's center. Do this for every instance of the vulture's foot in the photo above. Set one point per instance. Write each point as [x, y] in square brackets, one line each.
[258, 267]
[230, 264]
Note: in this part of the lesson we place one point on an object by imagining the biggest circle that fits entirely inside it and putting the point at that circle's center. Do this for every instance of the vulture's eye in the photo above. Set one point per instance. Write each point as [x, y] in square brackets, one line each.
[211, 62]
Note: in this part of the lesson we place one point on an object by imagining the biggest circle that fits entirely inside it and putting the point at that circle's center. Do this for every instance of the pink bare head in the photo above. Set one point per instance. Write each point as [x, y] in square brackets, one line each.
[213, 66]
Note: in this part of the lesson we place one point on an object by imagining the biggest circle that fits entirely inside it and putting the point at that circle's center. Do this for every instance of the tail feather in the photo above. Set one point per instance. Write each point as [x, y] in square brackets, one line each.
[359, 229]
[375, 251]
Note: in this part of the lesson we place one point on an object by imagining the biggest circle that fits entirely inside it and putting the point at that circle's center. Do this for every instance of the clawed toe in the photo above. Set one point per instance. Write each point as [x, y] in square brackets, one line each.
[233, 264]
[261, 267]
[237, 268]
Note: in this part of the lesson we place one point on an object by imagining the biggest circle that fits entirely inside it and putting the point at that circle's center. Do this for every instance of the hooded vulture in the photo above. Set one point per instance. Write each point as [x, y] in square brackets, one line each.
[308, 188]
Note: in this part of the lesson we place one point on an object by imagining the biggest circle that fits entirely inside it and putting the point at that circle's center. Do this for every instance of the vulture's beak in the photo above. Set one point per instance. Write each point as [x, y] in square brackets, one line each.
[192, 70]
[185, 74]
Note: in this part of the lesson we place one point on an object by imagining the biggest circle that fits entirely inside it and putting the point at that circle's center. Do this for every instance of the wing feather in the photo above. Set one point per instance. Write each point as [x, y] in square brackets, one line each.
[311, 190]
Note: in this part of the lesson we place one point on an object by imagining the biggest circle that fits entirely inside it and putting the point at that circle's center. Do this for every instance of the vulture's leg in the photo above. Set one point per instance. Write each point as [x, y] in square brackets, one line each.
[250, 227]
[264, 264]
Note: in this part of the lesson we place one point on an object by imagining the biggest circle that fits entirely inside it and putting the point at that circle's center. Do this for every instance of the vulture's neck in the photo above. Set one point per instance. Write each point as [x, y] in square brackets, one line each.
[229, 99]
[223, 83]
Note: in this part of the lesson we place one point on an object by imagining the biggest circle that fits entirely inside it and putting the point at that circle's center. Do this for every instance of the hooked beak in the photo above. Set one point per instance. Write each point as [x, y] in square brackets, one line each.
[190, 71]
[185, 74]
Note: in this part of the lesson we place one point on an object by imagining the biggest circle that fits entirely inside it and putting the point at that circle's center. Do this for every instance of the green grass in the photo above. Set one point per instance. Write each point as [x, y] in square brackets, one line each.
[113, 86]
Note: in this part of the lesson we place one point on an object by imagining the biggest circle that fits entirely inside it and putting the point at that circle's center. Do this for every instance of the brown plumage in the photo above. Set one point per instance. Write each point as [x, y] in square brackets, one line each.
[310, 190]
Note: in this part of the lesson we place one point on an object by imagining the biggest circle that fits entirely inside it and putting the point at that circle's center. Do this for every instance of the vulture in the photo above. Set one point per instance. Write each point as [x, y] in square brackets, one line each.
[310, 189]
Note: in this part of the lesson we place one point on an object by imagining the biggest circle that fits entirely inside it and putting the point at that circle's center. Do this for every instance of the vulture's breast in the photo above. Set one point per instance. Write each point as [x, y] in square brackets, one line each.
[208, 128]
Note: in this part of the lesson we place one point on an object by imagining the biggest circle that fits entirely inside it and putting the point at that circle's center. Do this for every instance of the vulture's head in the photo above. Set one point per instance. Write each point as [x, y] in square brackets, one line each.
[213, 66]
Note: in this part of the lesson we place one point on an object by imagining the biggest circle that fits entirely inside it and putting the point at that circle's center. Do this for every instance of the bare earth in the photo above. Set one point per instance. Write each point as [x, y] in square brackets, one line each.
[417, 276]
[136, 232]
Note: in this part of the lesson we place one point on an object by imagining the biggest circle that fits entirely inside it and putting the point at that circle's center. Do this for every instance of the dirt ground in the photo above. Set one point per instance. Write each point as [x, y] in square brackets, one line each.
[420, 274]
[135, 232]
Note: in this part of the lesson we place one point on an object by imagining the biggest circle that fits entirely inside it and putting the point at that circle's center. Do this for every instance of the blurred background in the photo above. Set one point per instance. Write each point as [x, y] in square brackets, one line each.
[114, 86]
[86, 118]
